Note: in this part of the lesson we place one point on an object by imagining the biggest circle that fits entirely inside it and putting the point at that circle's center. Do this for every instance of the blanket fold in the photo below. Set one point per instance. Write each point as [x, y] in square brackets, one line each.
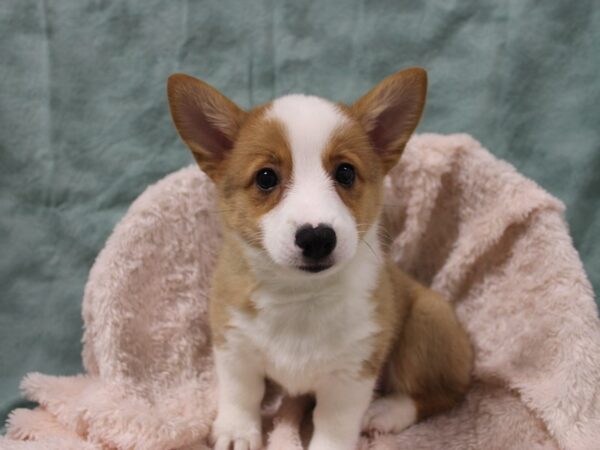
[459, 220]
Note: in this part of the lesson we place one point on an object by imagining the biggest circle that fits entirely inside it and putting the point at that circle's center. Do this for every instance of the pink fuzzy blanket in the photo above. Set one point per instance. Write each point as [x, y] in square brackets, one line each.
[463, 222]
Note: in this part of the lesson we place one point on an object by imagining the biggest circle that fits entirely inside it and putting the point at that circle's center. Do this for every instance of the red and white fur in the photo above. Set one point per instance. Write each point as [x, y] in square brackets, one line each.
[334, 322]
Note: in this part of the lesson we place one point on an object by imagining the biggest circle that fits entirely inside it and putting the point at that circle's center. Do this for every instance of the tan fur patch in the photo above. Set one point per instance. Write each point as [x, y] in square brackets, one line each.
[261, 143]
[388, 317]
[232, 287]
[349, 144]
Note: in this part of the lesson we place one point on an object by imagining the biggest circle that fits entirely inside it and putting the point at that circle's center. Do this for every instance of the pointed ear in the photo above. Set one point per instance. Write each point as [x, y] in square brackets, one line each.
[206, 120]
[390, 112]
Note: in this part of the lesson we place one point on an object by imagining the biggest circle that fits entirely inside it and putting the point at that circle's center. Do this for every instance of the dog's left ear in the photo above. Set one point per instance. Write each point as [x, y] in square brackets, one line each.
[390, 112]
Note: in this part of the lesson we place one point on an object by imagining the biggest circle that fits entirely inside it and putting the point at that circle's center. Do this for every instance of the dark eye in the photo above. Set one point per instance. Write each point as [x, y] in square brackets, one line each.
[344, 174]
[266, 179]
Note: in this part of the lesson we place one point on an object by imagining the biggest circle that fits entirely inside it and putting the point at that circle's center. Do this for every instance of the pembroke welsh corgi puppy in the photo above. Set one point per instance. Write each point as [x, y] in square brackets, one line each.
[303, 292]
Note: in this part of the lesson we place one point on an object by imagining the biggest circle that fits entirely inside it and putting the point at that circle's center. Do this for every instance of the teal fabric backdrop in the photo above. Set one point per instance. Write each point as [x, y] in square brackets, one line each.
[84, 125]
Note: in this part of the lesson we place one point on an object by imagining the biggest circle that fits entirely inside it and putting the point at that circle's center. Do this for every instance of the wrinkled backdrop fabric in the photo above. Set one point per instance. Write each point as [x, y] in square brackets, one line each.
[84, 124]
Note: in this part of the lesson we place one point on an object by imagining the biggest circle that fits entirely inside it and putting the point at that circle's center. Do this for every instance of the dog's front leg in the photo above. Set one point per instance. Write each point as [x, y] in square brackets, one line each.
[241, 390]
[337, 417]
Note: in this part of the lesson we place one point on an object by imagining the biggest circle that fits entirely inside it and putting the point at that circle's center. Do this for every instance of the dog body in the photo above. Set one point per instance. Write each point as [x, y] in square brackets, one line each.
[303, 292]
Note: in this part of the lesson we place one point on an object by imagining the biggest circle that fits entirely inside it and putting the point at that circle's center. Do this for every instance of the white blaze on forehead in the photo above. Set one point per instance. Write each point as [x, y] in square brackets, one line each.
[309, 122]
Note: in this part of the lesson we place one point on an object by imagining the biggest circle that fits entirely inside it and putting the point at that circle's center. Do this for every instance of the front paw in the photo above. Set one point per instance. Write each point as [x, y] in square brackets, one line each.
[236, 433]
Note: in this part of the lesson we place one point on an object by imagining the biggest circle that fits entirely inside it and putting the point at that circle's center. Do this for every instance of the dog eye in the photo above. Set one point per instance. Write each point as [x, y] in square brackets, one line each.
[345, 174]
[266, 179]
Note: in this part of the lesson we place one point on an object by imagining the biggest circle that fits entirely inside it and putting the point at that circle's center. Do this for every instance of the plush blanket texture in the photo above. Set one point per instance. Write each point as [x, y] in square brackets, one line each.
[490, 240]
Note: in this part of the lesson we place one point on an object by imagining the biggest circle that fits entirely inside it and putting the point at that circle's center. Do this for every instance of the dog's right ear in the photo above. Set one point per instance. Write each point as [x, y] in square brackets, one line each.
[391, 111]
[206, 120]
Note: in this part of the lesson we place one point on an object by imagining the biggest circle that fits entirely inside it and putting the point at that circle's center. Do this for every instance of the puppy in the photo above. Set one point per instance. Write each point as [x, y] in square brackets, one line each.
[303, 292]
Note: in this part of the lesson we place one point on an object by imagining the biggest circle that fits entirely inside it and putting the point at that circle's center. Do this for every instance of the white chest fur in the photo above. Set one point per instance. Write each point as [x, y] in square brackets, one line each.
[308, 332]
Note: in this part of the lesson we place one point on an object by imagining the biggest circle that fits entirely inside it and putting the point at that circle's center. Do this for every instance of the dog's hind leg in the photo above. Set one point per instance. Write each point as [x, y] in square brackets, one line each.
[428, 370]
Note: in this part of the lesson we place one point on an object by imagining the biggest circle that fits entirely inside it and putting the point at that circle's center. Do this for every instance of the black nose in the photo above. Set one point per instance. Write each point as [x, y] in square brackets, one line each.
[316, 243]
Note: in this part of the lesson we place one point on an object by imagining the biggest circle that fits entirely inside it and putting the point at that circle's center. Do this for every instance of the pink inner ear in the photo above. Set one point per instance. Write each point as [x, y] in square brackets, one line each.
[201, 132]
[394, 125]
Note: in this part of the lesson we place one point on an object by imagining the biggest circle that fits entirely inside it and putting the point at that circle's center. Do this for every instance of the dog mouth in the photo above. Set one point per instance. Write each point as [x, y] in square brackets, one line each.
[315, 268]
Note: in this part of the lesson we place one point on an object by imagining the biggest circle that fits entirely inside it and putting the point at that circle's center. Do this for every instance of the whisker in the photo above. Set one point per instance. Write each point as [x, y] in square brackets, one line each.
[371, 249]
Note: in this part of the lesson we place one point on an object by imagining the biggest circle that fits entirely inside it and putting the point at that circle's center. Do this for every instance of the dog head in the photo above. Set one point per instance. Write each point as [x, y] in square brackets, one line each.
[300, 179]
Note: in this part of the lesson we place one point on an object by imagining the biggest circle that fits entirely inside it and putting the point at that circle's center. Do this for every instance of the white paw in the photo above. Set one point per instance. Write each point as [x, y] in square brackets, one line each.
[236, 434]
[390, 414]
